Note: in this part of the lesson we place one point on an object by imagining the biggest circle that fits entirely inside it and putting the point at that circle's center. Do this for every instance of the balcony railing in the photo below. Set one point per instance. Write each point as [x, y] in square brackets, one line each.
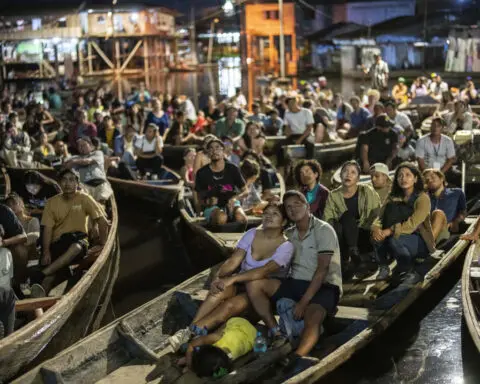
[44, 33]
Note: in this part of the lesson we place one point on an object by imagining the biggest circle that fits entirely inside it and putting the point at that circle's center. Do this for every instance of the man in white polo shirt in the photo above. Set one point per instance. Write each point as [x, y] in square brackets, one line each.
[298, 129]
[436, 151]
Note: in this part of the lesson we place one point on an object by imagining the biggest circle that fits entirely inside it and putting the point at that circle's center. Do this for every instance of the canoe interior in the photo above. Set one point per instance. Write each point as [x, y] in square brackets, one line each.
[76, 314]
[327, 154]
[471, 293]
[162, 192]
[134, 348]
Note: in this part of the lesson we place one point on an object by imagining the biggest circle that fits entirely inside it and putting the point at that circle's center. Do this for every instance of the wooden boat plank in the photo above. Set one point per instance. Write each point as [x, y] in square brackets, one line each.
[469, 297]
[26, 305]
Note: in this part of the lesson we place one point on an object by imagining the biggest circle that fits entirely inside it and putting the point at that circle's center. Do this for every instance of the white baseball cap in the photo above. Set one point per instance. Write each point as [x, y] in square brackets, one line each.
[380, 167]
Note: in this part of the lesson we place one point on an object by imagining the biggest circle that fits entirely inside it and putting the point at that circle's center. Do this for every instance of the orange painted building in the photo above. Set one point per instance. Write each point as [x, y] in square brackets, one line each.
[261, 30]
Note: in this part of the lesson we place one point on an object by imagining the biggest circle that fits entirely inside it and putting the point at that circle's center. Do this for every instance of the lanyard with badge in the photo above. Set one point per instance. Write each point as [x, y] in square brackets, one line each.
[436, 150]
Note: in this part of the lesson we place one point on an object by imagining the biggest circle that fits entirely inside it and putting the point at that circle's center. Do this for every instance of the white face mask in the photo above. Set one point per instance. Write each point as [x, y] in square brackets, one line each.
[33, 188]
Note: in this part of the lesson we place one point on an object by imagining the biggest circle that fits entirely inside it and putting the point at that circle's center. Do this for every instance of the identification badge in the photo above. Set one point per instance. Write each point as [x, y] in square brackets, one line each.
[436, 165]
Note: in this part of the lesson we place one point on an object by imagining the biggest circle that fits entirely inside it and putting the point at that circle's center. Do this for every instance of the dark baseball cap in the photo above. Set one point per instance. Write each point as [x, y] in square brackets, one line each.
[383, 121]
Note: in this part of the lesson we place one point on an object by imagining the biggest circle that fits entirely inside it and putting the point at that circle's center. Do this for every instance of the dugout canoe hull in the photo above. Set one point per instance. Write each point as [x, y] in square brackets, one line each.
[134, 348]
[78, 313]
[471, 293]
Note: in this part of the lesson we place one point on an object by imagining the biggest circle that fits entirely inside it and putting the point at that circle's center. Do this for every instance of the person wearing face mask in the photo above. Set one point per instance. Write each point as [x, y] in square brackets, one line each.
[36, 189]
[351, 210]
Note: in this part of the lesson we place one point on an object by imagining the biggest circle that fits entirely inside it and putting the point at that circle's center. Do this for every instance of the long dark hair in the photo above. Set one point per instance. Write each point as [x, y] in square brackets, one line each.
[418, 186]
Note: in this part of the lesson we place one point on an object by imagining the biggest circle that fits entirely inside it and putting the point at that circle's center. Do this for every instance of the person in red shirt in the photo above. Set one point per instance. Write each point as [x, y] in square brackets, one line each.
[81, 129]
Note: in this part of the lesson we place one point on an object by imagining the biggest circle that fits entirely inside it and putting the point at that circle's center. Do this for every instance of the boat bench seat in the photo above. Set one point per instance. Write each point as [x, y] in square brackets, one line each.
[343, 312]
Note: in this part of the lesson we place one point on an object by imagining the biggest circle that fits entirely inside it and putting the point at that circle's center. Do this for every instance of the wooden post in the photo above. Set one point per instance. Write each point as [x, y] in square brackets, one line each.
[57, 75]
[146, 62]
[80, 58]
[117, 72]
[89, 57]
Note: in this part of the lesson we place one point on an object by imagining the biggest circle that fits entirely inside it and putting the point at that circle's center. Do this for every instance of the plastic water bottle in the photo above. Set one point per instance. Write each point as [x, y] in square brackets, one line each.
[260, 345]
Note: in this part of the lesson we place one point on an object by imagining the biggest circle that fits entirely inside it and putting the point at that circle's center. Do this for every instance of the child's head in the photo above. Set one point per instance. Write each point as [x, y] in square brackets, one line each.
[201, 114]
[210, 361]
[189, 155]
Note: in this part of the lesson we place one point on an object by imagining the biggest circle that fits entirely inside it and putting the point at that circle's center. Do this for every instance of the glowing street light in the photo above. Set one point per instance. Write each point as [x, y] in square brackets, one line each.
[228, 8]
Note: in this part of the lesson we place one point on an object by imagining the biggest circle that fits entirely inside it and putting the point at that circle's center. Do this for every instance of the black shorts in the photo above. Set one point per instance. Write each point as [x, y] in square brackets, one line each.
[327, 296]
[60, 246]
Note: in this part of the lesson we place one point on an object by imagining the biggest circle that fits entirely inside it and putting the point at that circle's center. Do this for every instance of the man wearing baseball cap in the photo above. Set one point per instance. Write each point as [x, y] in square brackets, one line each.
[379, 145]
[381, 181]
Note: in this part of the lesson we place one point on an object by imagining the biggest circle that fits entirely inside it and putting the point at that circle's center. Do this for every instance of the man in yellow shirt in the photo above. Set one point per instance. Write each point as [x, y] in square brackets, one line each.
[65, 237]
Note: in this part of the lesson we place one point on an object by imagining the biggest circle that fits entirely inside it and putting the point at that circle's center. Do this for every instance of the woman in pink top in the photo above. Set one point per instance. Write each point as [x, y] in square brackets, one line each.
[261, 252]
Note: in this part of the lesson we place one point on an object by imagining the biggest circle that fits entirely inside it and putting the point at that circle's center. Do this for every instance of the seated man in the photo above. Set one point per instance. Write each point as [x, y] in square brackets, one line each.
[65, 237]
[91, 166]
[315, 281]
[436, 150]
[81, 128]
[358, 118]
[379, 145]
[230, 125]
[450, 201]
[460, 118]
[273, 124]
[16, 149]
[351, 210]
[14, 238]
[307, 175]
[217, 186]
[381, 181]
[400, 119]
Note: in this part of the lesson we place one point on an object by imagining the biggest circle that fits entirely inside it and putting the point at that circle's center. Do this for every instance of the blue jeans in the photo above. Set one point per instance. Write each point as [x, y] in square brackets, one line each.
[405, 250]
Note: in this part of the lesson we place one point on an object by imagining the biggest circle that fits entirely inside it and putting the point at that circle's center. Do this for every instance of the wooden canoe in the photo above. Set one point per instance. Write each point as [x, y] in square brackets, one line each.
[471, 292]
[162, 192]
[173, 155]
[134, 348]
[327, 154]
[70, 317]
[212, 246]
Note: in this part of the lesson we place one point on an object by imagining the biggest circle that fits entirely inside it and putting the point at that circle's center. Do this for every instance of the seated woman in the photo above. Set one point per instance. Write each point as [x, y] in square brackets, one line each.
[31, 225]
[262, 252]
[403, 228]
[149, 149]
[351, 209]
[186, 172]
[307, 175]
[253, 133]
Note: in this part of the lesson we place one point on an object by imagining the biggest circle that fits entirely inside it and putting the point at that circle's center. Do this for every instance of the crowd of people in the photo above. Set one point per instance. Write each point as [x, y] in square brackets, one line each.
[297, 272]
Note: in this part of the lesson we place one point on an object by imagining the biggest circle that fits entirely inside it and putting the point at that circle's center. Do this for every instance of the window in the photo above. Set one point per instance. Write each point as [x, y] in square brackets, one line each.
[36, 24]
[62, 23]
[271, 15]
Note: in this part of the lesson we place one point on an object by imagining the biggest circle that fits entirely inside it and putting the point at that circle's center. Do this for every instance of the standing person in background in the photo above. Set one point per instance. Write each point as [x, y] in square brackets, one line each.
[379, 73]
[307, 175]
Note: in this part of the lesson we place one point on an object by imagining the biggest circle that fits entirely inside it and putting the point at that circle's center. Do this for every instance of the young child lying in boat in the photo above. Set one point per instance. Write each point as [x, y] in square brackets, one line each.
[212, 355]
